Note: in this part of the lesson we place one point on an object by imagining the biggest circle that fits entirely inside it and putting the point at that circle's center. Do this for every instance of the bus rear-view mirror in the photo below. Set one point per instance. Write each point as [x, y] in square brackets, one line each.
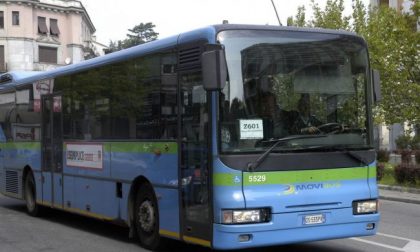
[214, 69]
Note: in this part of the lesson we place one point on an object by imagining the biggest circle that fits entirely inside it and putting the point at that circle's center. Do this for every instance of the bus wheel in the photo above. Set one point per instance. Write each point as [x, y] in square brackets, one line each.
[30, 196]
[147, 218]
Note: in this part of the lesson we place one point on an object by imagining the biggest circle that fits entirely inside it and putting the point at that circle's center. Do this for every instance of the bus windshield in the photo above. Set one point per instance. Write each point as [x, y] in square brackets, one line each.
[288, 84]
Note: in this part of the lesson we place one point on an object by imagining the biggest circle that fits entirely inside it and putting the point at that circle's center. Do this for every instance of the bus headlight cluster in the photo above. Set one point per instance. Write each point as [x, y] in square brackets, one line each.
[365, 207]
[245, 216]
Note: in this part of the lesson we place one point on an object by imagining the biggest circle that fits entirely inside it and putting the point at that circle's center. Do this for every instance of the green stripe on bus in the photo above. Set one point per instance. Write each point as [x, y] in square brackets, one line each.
[372, 172]
[225, 179]
[292, 177]
[22, 145]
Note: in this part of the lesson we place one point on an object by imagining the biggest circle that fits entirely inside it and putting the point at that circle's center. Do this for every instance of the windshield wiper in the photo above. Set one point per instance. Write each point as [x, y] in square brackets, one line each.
[348, 152]
[254, 165]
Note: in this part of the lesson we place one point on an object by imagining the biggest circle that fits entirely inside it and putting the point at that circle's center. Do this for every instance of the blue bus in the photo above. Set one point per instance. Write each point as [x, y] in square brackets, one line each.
[229, 136]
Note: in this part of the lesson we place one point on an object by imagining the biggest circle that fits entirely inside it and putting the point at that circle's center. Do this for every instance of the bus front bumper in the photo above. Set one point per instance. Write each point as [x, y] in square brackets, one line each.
[288, 228]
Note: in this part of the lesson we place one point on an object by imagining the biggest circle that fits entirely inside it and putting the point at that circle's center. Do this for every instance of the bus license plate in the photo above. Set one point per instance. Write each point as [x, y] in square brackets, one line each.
[314, 219]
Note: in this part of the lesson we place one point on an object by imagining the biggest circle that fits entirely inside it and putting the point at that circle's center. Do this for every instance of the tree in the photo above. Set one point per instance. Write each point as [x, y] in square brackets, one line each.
[300, 18]
[332, 17]
[139, 34]
[394, 51]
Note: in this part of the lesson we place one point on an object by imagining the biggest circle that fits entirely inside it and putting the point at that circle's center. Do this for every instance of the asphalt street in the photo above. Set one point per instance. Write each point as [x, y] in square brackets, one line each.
[59, 231]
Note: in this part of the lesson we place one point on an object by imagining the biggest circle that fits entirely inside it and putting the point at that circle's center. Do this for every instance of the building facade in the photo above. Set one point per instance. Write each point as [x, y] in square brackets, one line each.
[400, 5]
[43, 34]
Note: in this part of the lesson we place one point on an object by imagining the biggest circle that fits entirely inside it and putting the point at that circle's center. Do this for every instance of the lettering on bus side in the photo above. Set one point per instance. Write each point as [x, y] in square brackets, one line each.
[75, 155]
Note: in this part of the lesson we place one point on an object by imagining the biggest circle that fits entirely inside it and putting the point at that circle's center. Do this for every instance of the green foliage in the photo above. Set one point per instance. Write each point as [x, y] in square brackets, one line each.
[403, 142]
[332, 17]
[408, 142]
[359, 17]
[139, 34]
[300, 18]
[394, 52]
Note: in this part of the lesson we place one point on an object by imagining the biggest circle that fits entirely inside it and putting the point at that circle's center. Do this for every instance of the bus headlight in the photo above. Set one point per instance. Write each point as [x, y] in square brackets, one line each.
[365, 207]
[245, 216]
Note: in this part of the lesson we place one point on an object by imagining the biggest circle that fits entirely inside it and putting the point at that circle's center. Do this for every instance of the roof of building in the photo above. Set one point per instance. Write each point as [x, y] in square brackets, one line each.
[57, 5]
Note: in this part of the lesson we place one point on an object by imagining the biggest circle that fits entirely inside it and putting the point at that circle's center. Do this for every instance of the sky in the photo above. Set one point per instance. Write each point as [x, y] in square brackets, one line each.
[112, 18]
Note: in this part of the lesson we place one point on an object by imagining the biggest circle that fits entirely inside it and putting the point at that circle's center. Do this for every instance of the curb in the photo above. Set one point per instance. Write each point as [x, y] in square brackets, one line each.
[411, 201]
[401, 194]
[399, 189]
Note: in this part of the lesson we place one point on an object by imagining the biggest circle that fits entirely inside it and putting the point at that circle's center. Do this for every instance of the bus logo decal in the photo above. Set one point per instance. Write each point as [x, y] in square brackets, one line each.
[290, 189]
[294, 189]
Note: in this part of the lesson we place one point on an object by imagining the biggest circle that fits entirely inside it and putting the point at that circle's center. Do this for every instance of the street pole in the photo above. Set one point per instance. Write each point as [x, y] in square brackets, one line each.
[277, 14]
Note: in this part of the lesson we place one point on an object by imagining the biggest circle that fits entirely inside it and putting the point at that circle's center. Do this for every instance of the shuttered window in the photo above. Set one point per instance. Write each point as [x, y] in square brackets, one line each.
[42, 25]
[54, 27]
[47, 54]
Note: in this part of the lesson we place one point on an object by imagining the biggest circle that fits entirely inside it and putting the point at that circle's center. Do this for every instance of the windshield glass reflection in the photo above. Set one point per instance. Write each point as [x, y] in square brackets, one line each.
[293, 83]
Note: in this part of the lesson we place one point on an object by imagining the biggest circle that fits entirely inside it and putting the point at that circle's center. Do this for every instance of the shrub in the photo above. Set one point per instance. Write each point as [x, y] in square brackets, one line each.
[383, 156]
[399, 173]
[406, 173]
[403, 142]
[411, 175]
[380, 171]
[417, 155]
[406, 156]
[418, 173]
[415, 142]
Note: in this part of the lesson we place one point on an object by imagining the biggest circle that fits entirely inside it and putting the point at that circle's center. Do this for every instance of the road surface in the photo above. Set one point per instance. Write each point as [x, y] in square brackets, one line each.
[59, 231]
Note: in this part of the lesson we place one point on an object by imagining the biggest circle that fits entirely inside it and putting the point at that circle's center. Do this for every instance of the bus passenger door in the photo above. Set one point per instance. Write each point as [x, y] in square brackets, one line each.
[195, 195]
[52, 151]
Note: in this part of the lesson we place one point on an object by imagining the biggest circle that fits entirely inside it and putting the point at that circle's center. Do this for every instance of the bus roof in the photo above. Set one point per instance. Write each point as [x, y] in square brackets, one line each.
[207, 33]
[14, 76]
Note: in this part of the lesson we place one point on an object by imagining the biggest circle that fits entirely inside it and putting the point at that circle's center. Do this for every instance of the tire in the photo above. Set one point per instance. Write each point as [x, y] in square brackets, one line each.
[147, 218]
[32, 208]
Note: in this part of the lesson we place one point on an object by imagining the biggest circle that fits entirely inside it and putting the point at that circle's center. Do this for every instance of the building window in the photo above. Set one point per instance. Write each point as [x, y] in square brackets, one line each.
[54, 27]
[15, 17]
[42, 25]
[48, 54]
[1, 20]
[2, 59]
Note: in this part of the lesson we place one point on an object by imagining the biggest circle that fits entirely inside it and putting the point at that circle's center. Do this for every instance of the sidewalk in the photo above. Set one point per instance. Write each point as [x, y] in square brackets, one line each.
[401, 194]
